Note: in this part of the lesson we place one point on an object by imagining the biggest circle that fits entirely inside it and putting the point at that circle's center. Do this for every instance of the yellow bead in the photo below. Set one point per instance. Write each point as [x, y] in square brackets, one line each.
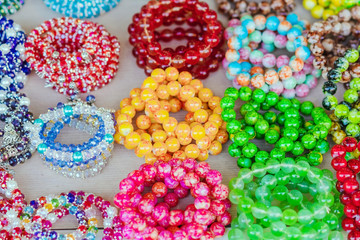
[327, 13]
[193, 104]
[154, 127]
[149, 82]
[159, 149]
[153, 105]
[185, 140]
[138, 104]
[201, 116]
[162, 92]
[337, 3]
[143, 148]
[123, 118]
[173, 88]
[172, 144]
[203, 143]
[145, 136]
[118, 138]
[317, 11]
[135, 92]
[215, 148]
[218, 110]
[170, 124]
[129, 110]
[150, 158]
[193, 124]
[175, 105]
[196, 84]
[159, 136]
[125, 102]
[49, 207]
[205, 94]
[165, 105]
[216, 118]
[185, 78]
[143, 122]
[324, 3]
[125, 128]
[186, 92]
[309, 4]
[161, 115]
[214, 102]
[92, 221]
[192, 151]
[158, 75]
[132, 140]
[182, 130]
[147, 94]
[172, 74]
[198, 132]
[211, 128]
[204, 154]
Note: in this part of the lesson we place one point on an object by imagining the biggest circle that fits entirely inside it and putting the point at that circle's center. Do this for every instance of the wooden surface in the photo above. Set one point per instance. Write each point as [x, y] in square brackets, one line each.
[36, 180]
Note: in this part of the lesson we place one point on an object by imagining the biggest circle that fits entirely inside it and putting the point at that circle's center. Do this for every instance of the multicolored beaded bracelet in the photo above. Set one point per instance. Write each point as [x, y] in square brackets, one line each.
[251, 41]
[347, 165]
[200, 56]
[331, 38]
[325, 9]
[160, 136]
[144, 216]
[77, 161]
[241, 7]
[35, 220]
[81, 8]
[296, 135]
[8, 7]
[85, 60]
[285, 200]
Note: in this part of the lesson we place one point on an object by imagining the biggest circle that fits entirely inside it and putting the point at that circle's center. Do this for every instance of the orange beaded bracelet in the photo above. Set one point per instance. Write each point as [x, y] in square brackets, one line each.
[160, 136]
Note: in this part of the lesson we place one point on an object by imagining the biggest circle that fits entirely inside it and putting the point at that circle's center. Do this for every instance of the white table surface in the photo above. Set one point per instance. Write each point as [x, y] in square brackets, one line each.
[36, 180]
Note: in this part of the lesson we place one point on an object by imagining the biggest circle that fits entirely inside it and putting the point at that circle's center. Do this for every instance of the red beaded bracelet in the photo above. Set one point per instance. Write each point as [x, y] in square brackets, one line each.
[144, 216]
[203, 52]
[73, 55]
[347, 164]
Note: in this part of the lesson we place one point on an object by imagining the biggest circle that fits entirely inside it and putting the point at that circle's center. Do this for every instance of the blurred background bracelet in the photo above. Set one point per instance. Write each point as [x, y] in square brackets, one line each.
[8, 7]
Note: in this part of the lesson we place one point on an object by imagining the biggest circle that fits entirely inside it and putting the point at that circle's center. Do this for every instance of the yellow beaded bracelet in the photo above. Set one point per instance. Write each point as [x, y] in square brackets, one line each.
[161, 136]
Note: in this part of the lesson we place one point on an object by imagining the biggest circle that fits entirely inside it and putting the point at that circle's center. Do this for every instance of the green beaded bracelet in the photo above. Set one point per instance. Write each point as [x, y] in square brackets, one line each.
[287, 130]
[307, 203]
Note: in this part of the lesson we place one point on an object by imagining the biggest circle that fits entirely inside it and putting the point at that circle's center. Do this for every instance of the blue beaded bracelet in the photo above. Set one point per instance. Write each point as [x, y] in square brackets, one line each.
[81, 160]
[81, 8]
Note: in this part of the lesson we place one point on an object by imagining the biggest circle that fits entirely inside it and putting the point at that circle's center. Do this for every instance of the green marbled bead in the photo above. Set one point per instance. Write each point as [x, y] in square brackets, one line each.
[245, 94]
[232, 92]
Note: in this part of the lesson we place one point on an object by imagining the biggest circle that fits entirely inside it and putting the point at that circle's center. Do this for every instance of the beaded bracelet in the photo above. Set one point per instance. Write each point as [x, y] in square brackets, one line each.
[296, 135]
[202, 54]
[331, 38]
[82, 160]
[85, 60]
[241, 7]
[81, 8]
[346, 164]
[305, 197]
[8, 7]
[251, 41]
[160, 136]
[144, 216]
[325, 9]
[35, 220]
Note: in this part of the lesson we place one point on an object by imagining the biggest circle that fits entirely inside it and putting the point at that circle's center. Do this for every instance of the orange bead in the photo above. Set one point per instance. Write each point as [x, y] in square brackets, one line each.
[162, 92]
[166, 157]
[205, 94]
[138, 104]
[149, 82]
[125, 102]
[123, 118]
[135, 92]
[153, 105]
[216, 118]
[184, 78]
[192, 151]
[256, 69]
[211, 128]
[159, 136]
[204, 105]
[132, 140]
[125, 128]
[222, 136]
[201, 116]
[143, 122]
[215, 148]
[171, 134]
[159, 189]
[165, 105]
[173, 88]
[185, 140]
[145, 136]
[172, 144]
[161, 115]
[189, 117]
[197, 132]
[159, 149]
[175, 105]
[143, 148]
[147, 94]
[203, 143]
[218, 110]
[193, 104]
[150, 158]
[158, 75]
[154, 127]
[186, 92]
[179, 155]
[129, 110]
[182, 130]
[170, 124]
[223, 126]
[140, 131]
[172, 74]
[214, 102]
[197, 85]
[172, 229]
[204, 154]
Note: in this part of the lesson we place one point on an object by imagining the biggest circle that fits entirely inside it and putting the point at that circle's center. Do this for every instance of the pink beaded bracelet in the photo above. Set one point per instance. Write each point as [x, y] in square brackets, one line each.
[143, 215]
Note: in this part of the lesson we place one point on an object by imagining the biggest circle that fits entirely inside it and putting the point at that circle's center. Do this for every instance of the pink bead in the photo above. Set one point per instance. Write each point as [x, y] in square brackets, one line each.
[200, 189]
[213, 177]
[204, 217]
[302, 90]
[149, 172]
[217, 229]
[175, 162]
[176, 217]
[164, 170]
[278, 88]
[178, 173]
[225, 63]
[280, 41]
[228, 33]
[269, 60]
[220, 191]
[150, 221]
[118, 236]
[244, 53]
[208, 236]
[171, 199]
[224, 219]
[141, 187]
[203, 202]
[189, 214]
[137, 176]
[191, 179]
[146, 206]
[127, 186]
[288, 93]
[128, 232]
[300, 76]
[171, 183]
[282, 60]
[189, 164]
[135, 199]
[217, 207]
[160, 212]
[122, 200]
[138, 224]
[312, 82]
[150, 233]
[165, 235]
[180, 235]
[127, 215]
[194, 230]
[181, 192]
[202, 168]
[164, 223]
[234, 22]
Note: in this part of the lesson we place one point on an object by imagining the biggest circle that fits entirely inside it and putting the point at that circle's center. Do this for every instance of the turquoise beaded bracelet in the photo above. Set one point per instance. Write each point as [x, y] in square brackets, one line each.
[288, 130]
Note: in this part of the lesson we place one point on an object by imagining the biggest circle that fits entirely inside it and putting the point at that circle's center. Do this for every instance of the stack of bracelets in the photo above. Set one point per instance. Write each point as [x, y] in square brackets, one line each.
[81, 8]
[285, 199]
[145, 217]
[160, 136]
[347, 165]
[20, 220]
[82, 160]
[14, 111]
[325, 9]
[288, 130]
[73, 55]
[331, 38]
[241, 7]
[8, 7]
[249, 61]
[202, 54]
